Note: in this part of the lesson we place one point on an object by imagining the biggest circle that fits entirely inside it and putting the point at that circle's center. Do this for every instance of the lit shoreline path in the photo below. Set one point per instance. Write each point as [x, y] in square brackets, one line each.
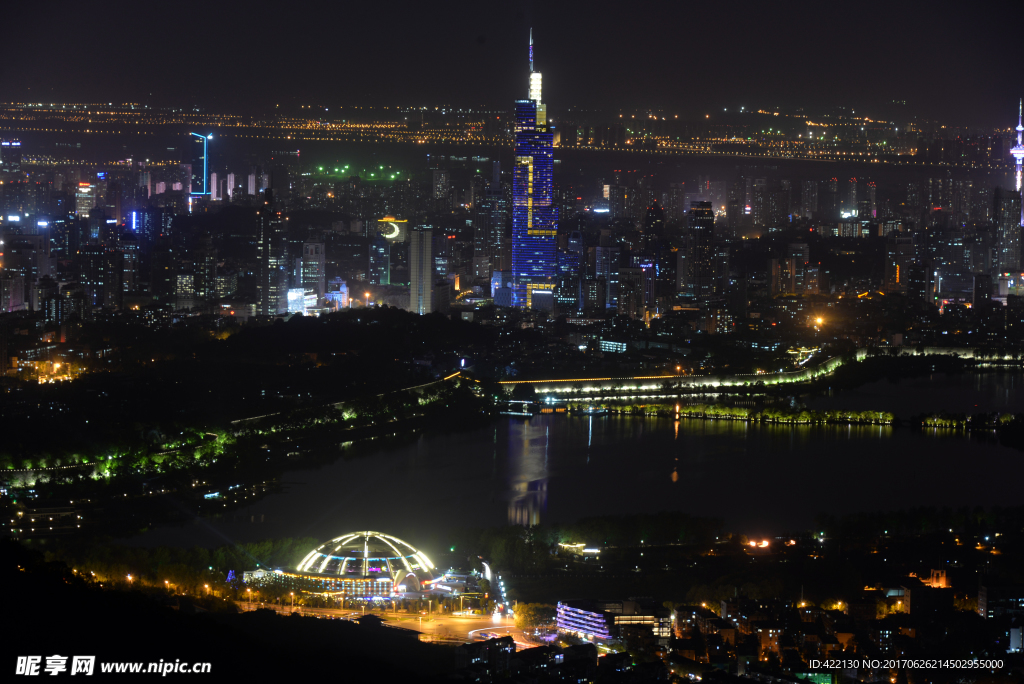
[654, 386]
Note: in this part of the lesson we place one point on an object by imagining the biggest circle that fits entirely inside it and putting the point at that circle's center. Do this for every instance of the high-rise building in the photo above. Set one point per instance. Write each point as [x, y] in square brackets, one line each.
[534, 215]
[810, 199]
[702, 249]
[10, 157]
[441, 187]
[899, 256]
[314, 274]
[379, 272]
[491, 212]
[204, 266]
[421, 270]
[200, 158]
[85, 199]
[1007, 220]
[272, 284]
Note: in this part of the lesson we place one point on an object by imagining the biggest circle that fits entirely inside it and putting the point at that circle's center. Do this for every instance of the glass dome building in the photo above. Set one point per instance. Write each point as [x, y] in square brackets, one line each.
[359, 565]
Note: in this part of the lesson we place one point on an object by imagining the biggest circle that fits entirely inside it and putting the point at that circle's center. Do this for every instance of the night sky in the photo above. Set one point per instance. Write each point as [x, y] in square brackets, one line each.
[958, 63]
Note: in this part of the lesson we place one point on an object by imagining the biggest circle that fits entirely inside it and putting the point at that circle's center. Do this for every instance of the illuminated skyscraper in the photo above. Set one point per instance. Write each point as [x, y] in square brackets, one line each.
[421, 270]
[270, 252]
[534, 215]
[379, 272]
[1018, 153]
[199, 153]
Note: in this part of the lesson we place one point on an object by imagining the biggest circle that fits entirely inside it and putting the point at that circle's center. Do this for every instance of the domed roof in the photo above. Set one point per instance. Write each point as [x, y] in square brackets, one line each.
[366, 554]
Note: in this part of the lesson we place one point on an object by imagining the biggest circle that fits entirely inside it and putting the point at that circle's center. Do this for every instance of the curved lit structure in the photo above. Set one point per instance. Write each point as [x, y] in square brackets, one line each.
[392, 229]
[359, 565]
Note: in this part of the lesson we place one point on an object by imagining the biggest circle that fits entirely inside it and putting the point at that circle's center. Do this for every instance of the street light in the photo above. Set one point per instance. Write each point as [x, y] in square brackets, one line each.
[367, 298]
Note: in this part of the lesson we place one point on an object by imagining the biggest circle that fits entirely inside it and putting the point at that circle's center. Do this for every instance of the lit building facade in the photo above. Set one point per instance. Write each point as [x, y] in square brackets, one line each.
[200, 158]
[314, 274]
[1018, 155]
[534, 214]
[421, 270]
[579, 619]
[361, 565]
[85, 199]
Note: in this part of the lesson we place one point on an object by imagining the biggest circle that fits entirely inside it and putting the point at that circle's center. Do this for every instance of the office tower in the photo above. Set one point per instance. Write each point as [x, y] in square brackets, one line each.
[1018, 155]
[872, 201]
[314, 273]
[421, 270]
[230, 186]
[534, 216]
[702, 251]
[214, 187]
[1007, 220]
[251, 184]
[270, 254]
[85, 199]
[379, 272]
[199, 155]
[899, 257]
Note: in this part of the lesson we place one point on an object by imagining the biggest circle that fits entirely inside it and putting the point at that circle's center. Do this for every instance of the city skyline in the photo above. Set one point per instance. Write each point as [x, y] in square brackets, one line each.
[630, 389]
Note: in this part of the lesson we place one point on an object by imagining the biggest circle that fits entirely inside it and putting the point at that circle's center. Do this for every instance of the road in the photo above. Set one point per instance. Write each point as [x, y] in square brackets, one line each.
[468, 628]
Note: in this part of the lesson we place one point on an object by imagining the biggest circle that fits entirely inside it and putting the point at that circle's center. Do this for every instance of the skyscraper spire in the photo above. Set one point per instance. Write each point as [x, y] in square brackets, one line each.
[535, 81]
[1018, 154]
[531, 50]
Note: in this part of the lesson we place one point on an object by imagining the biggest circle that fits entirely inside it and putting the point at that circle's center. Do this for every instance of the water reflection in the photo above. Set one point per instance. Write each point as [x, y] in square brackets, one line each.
[759, 479]
[529, 451]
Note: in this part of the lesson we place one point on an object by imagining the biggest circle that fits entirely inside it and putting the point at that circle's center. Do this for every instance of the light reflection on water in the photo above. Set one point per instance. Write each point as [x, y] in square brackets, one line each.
[760, 479]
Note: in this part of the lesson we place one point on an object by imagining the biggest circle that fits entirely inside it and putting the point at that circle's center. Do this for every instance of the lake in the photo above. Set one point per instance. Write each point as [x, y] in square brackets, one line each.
[759, 479]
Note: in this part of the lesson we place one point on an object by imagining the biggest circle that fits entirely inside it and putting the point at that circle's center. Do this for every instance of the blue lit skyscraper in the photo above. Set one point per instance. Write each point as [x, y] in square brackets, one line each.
[534, 216]
[200, 161]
